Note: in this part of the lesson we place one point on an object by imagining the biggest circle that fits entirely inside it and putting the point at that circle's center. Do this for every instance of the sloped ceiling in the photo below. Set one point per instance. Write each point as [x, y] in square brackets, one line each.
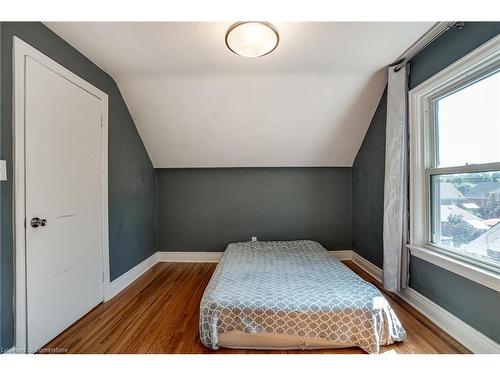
[196, 104]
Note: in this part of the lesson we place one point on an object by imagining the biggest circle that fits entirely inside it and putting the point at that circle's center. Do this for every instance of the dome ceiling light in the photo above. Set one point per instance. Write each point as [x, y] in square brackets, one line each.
[252, 38]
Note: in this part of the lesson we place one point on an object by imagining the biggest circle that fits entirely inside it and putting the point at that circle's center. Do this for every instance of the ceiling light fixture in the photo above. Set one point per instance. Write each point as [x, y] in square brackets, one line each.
[252, 38]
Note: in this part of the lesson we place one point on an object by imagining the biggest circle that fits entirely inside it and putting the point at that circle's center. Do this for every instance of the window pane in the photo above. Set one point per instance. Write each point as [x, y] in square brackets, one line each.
[468, 124]
[465, 212]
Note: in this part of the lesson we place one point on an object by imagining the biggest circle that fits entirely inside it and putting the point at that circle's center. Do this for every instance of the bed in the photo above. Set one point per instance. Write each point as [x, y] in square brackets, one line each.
[292, 295]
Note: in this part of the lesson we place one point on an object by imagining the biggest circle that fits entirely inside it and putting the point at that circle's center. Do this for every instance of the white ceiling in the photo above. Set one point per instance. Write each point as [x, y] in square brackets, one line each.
[196, 104]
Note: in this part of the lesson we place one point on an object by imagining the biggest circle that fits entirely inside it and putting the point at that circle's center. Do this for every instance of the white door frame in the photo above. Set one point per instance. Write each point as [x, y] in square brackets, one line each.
[21, 50]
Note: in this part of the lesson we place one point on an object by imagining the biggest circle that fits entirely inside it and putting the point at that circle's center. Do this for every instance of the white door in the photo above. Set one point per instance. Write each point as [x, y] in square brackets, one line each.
[63, 185]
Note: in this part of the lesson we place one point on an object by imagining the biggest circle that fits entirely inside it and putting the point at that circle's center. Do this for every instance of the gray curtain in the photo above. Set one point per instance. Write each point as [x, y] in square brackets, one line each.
[396, 255]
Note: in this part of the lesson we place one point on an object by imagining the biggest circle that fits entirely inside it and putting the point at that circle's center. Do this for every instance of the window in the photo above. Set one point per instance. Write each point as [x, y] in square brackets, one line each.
[465, 213]
[455, 162]
[465, 170]
[467, 124]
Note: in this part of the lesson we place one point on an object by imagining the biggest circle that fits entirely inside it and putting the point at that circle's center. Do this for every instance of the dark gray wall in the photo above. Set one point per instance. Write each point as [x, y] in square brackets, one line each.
[368, 189]
[471, 302]
[450, 47]
[132, 179]
[205, 209]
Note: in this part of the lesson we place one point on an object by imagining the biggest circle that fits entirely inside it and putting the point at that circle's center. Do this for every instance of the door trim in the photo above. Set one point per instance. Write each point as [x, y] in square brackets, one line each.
[21, 50]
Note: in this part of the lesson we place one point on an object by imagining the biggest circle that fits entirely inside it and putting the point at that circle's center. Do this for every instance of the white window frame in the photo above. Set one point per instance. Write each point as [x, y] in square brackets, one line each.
[468, 69]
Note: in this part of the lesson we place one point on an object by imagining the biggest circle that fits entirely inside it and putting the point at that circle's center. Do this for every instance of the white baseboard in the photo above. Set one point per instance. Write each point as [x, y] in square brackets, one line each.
[189, 256]
[120, 283]
[458, 329]
[342, 254]
[13, 350]
[214, 256]
[468, 336]
[133, 274]
[373, 270]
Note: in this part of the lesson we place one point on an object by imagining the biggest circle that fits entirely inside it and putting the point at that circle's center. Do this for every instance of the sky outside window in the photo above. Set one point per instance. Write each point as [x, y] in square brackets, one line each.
[468, 124]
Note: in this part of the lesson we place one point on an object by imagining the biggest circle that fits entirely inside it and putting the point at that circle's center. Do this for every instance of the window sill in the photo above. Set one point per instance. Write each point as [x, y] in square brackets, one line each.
[477, 274]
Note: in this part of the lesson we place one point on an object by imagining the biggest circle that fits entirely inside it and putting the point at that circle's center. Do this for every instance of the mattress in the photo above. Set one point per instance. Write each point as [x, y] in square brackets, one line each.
[273, 341]
[292, 294]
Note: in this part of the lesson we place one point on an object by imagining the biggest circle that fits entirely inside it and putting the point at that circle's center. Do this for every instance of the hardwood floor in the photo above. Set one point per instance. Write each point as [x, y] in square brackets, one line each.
[159, 314]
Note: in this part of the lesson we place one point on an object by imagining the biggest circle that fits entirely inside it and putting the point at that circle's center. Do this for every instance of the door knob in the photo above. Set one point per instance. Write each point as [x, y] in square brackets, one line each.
[37, 222]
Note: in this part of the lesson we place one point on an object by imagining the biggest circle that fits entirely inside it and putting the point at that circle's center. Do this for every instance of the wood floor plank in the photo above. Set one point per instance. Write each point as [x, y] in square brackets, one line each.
[159, 313]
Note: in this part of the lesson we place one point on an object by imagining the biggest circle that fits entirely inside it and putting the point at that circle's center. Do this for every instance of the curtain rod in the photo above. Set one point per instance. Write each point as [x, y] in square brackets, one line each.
[435, 32]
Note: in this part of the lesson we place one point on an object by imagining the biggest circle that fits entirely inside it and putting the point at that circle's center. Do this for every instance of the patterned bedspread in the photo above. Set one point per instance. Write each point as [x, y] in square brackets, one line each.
[294, 288]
